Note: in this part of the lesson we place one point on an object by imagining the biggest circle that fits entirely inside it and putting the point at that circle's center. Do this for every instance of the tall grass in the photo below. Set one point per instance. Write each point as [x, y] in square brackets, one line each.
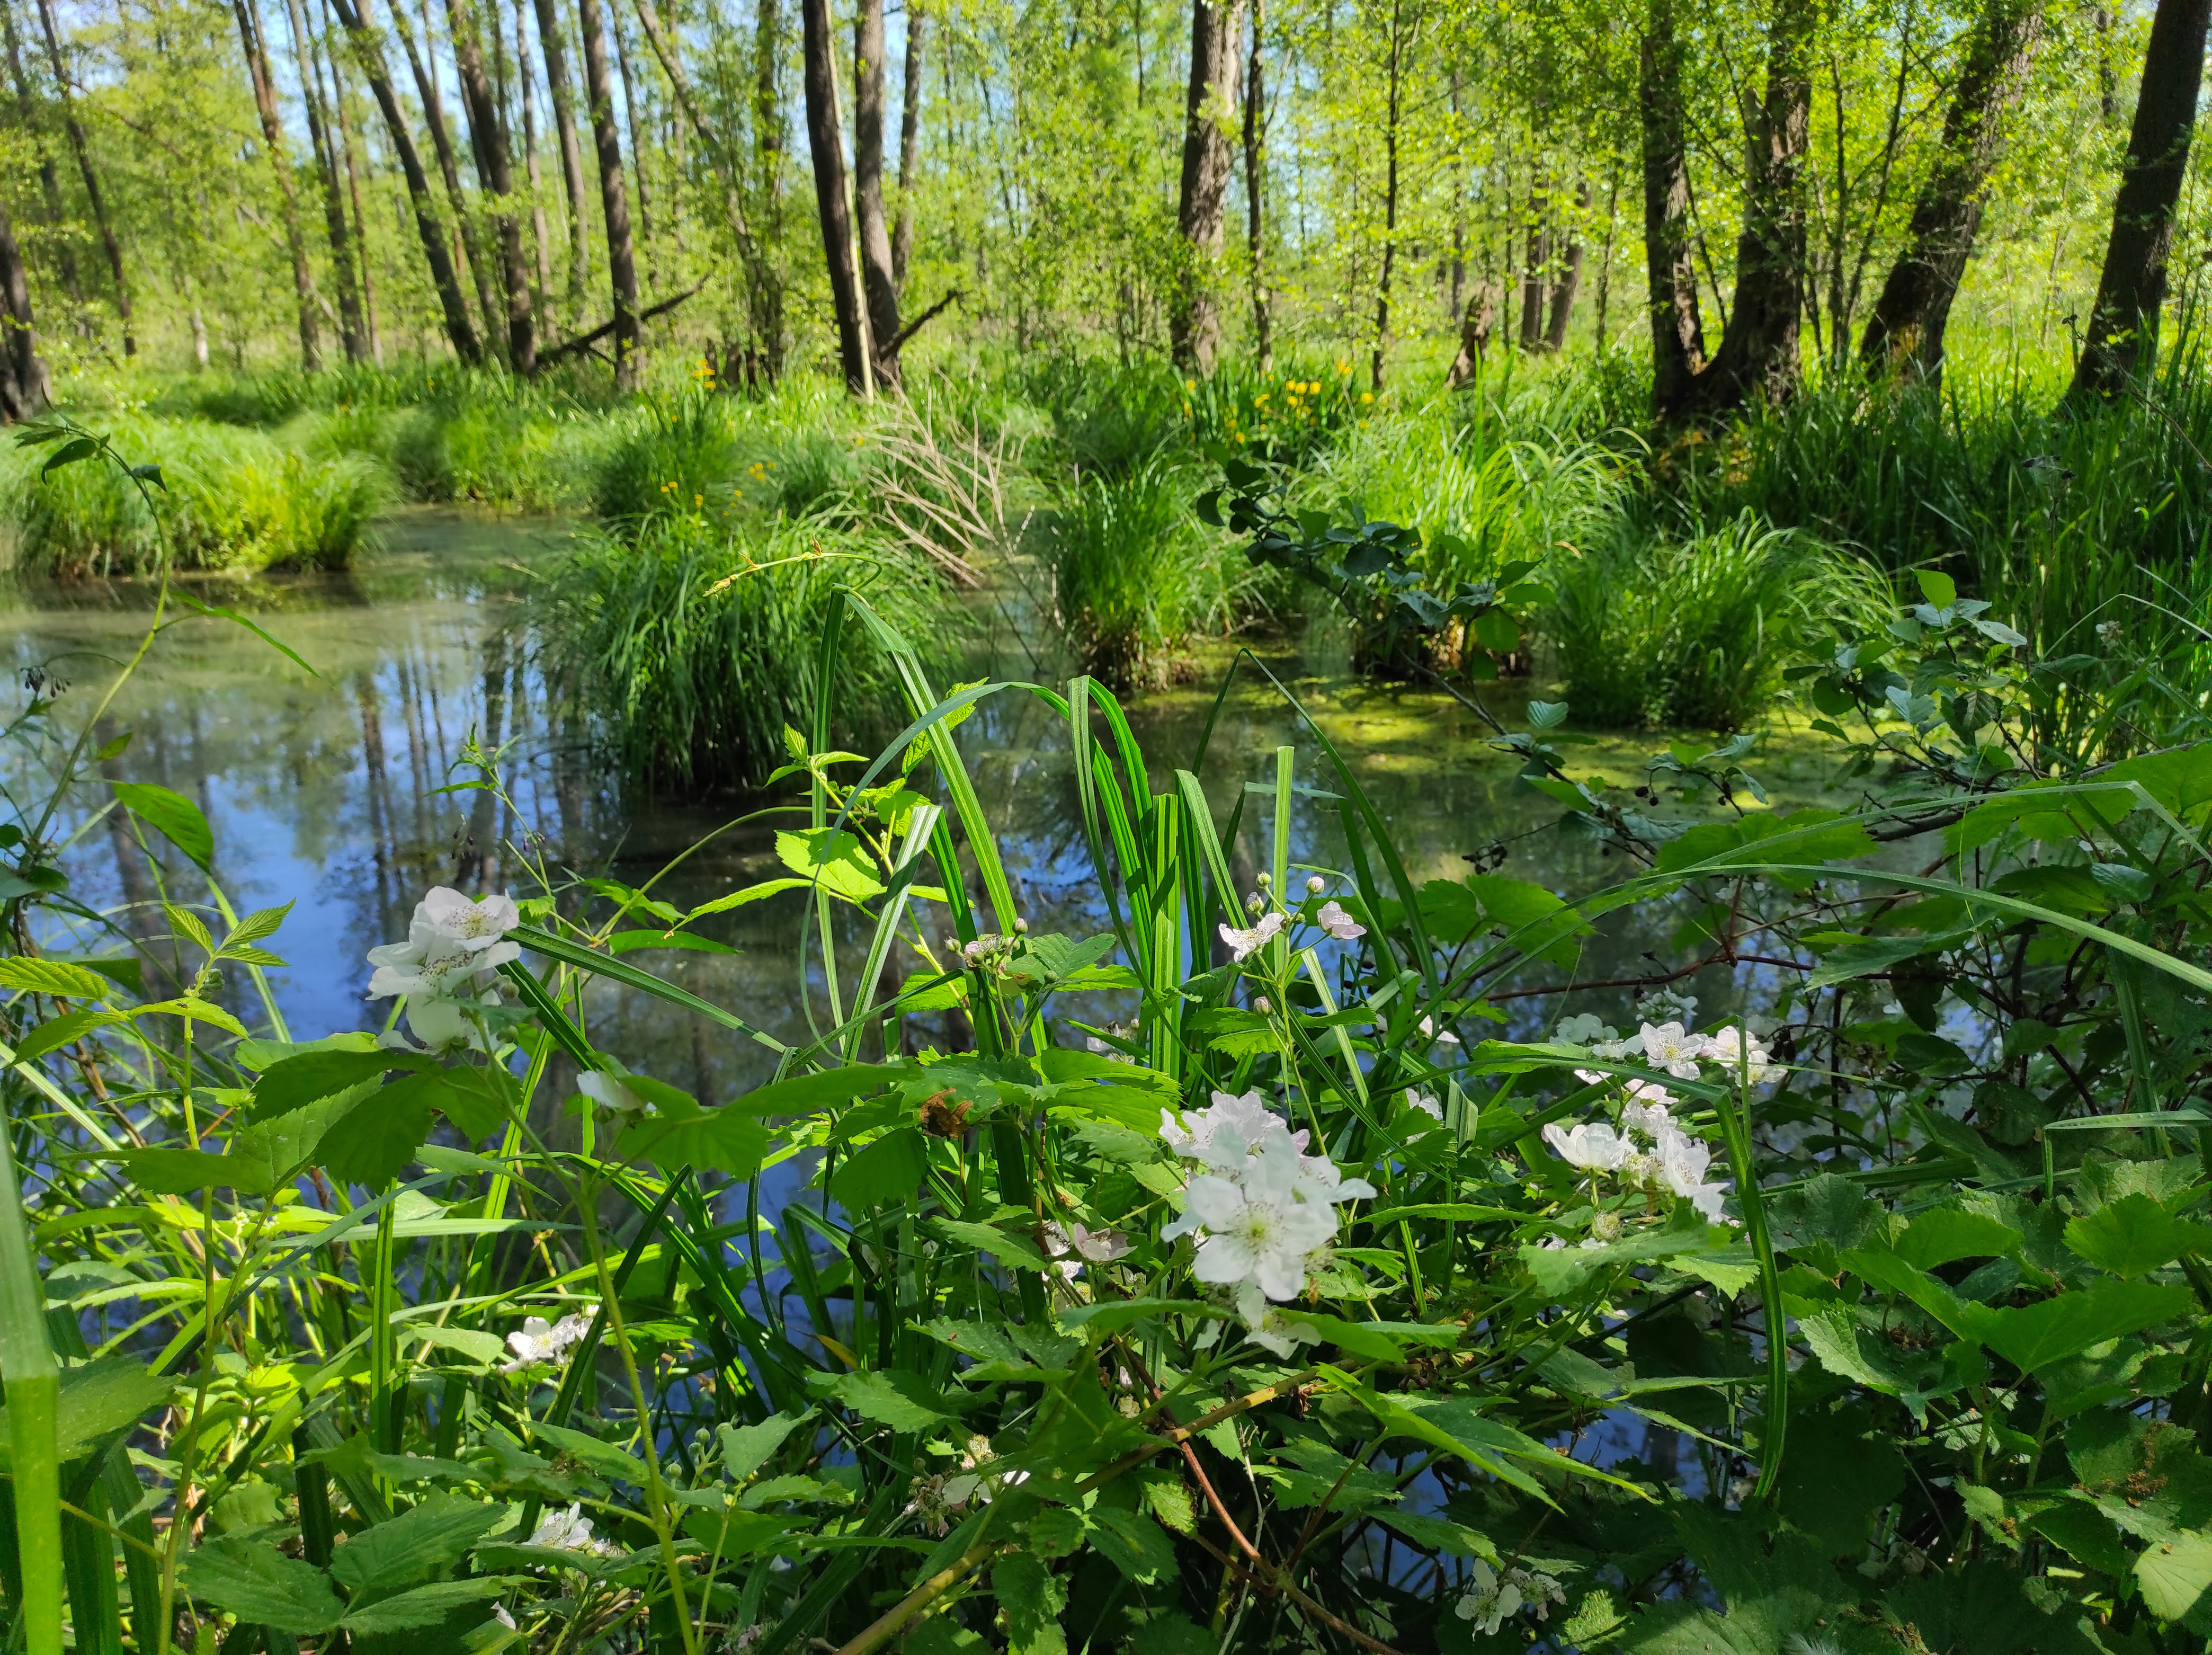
[232, 500]
[1693, 631]
[690, 645]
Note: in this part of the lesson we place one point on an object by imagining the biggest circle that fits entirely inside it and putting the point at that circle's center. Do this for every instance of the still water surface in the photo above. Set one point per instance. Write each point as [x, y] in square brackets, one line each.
[325, 791]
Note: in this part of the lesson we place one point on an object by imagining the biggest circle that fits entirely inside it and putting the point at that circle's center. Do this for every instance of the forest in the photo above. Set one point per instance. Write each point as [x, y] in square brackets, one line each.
[1282, 825]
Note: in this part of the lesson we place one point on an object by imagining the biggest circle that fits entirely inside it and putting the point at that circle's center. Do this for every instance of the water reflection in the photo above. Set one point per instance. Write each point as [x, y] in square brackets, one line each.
[334, 792]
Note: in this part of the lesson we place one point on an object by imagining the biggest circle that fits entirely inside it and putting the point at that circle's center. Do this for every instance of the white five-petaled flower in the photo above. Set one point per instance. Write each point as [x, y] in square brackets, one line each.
[453, 946]
[569, 1531]
[610, 1092]
[1442, 1037]
[1671, 1047]
[1339, 924]
[1739, 1055]
[1591, 1146]
[1244, 944]
[1682, 1163]
[1099, 1247]
[1492, 1598]
[541, 1340]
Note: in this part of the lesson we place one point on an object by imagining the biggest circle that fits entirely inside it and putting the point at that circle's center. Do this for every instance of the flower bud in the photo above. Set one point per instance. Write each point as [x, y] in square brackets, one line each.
[1264, 1004]
[1021, 928]
[1317, 885]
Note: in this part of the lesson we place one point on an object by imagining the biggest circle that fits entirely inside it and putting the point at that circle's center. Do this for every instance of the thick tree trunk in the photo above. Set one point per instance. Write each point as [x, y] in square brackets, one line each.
[335, 227]
[769, 143]
[449, 170]
[82, 150]
[540, 233]
[1536, 270]
[561, 89]
[1255, 180]
[1475, 324]
[1194, 326]
[1907, 323]
[436, 253]
[50, 184]
[1678, 336]
[495, 170]
[1571, 277]
[614, 193]
[22, 375]
[2124, 322]
[909, 175]
[878, 278]
[1758, 356]
[826, 142]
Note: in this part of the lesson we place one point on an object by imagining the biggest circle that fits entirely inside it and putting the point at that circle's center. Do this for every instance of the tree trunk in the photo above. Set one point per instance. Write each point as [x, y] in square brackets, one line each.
[1678, 336]
[442, 143]
[50, 185]
[1536, 270]
[22, 375]
[1255, 180]
[562, 89]
[632, 108]
[334, 213]
[2124, 322]
[252, 35]
[1475, 329]
[878, 279]
[1570, 276]
[1194, 327]
[541, 235]
[825, 143]
[436, 253]
[1758, 355]
[1379, 362]
[343, 124]
[495, 171]
[1907, 323]
[614, 193]
[909, 174]
[770, 144]
[82, 150]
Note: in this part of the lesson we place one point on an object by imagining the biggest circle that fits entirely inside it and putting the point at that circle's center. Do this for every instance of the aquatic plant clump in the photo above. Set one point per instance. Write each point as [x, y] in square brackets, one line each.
[691, 647]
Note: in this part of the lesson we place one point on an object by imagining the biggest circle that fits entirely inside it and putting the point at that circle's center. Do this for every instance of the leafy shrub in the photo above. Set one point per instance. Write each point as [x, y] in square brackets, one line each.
[1695, 632]
[691, 644]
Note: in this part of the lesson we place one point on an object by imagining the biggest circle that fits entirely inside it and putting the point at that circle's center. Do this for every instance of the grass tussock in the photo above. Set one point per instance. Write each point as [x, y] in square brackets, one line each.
[231, 500]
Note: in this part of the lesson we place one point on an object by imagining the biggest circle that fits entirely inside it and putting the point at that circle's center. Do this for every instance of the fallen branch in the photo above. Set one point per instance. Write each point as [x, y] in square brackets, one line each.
[586, 341]
[952, 295]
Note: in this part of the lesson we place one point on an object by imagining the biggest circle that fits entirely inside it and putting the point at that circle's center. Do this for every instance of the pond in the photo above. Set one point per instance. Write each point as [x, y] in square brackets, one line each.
[329, 792]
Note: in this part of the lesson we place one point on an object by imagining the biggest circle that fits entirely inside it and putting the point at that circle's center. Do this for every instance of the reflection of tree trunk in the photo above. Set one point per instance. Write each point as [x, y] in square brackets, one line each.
[378, 788]
[1194, 326]
[1678, 336]
[825, 142]
[82, 150]
[435, 253]
[22, 375]
[1908, 318]
[917, 43]
[878, 280]
[614, 193]
[50, 187]
[495, 168]
[343, 266]
[561, 89]
[2130, 291]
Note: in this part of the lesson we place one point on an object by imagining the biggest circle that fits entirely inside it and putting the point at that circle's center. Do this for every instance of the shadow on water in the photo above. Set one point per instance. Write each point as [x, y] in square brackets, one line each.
[331, 792]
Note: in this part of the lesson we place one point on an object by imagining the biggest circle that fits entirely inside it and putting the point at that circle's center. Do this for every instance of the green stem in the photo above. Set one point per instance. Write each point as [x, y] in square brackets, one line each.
[33, 1391]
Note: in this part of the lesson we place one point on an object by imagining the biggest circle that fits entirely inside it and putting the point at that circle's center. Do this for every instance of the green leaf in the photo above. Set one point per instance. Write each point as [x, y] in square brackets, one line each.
[372, 1143]
[218, 612]
[433, 1535]
[841, 863]
[69, 454]
[259, 1583]
[295, 1082]
[1440, 1534]
[52, 976]
[1007, 1248]
[1112, 1315]
[425, 1606]
[2036, 1335]
[746, 1448]
[1946, 1234]
[180, 1171]
[889, 1170]
[1033, 1598]
[731, 1139]
[1939, 589]
[904, 1401]
[2134, 1235]
[175, 816]
[2175, 1577]
[1135, 1544]
[61, 1031]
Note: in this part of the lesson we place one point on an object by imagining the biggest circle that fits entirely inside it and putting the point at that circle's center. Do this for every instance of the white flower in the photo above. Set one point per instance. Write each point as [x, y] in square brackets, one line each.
[1582, 1030]
[499, 1614]
[613, 1097]
[441, 1026]
[1682, 1163]
[1591, 1145]
[1100, 1246]
[1428, 1106]
[1265, 1326]
[1615, 1051]
[1257, 1230]
[1244, 944]
[480, 923]
[1727, 1048]
[1646, 1109]
[543, 1342]
[1492, 1598]
[1671, 1047]
[1339, 924]
[1442, 1037]
[1224, 1132]
[570, 1531]
[453, 946]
